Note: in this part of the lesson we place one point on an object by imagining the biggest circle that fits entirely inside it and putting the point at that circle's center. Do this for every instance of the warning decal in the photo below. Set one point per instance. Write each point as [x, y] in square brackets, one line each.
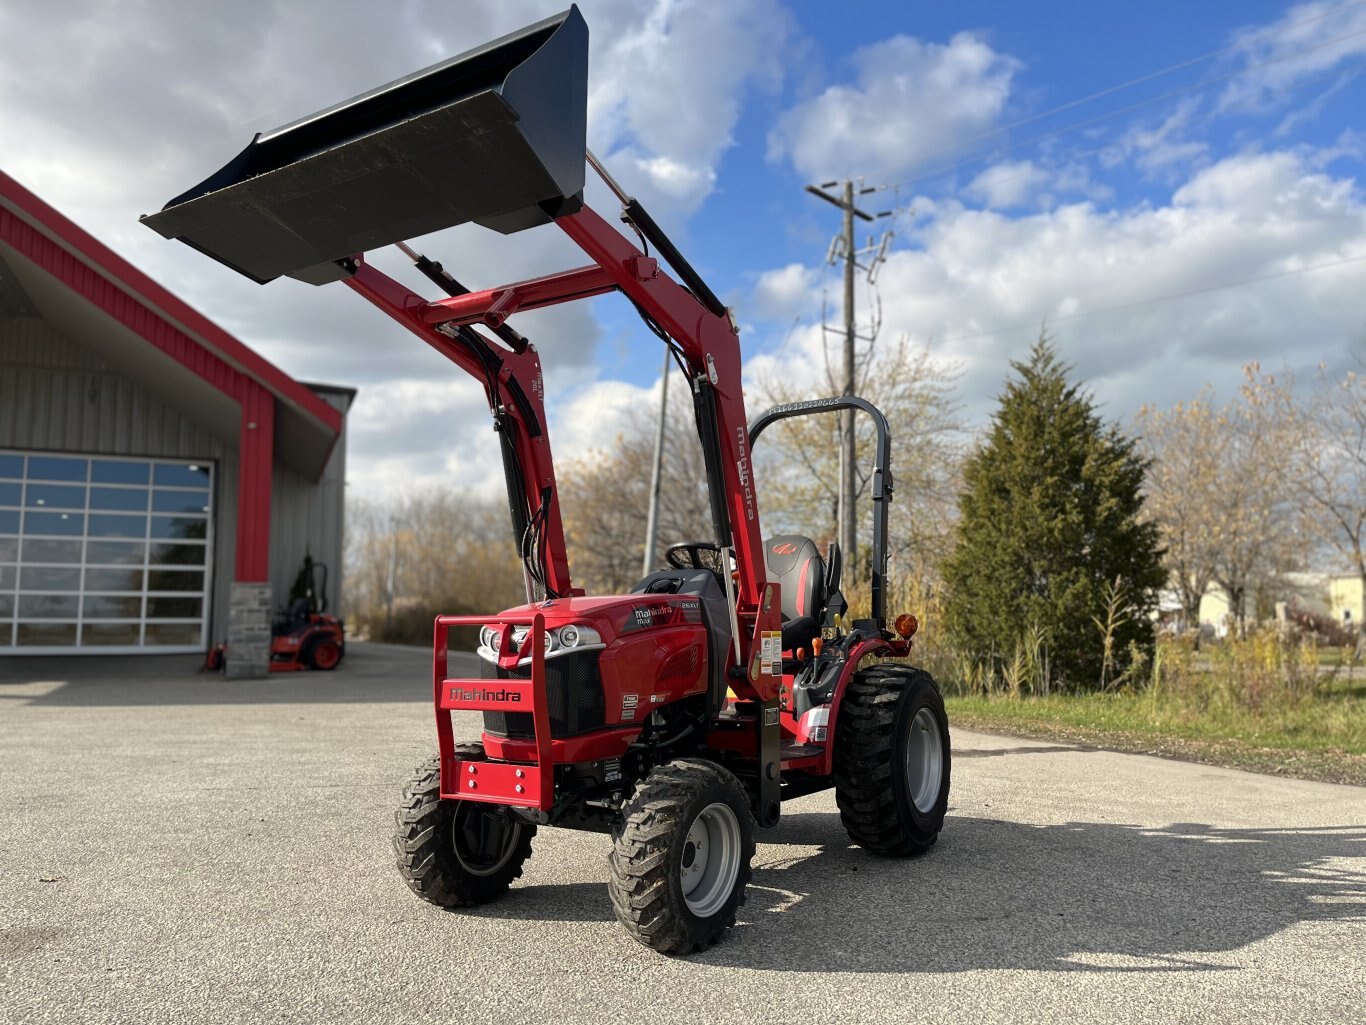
[771, 652]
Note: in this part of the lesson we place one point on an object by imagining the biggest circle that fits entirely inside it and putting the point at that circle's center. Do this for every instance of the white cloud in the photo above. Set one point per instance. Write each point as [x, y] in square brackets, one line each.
[383, 459]
[594, 419]
[913, 100]
[668, 82]
[1166, 148]
[150, 96]
[784, 293]
[1308, 40]
[979, 284]
[1008, 184]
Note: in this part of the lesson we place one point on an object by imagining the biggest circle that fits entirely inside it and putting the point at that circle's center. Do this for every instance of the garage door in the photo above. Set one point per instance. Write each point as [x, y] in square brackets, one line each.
[102, 554]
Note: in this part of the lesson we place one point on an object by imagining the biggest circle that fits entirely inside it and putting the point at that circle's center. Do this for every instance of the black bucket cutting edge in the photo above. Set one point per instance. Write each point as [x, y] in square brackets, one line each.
[494, 136]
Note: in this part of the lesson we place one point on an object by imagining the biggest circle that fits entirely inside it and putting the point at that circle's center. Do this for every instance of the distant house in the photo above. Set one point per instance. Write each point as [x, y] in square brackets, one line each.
[1345, 600]
[1315, 594]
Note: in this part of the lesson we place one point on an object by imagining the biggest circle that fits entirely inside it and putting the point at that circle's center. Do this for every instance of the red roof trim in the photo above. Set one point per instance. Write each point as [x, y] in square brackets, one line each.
[163, 305]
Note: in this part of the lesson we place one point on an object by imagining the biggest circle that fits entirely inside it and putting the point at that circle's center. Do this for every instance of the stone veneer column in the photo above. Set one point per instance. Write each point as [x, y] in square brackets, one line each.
[249, 615]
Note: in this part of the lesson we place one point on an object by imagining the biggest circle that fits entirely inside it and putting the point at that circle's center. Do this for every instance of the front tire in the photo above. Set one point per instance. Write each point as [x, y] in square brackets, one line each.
[456, 853]
[892, 760]
[680, 860]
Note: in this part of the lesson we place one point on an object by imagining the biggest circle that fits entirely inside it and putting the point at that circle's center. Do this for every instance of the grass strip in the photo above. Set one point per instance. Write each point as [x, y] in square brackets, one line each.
[1318, 740]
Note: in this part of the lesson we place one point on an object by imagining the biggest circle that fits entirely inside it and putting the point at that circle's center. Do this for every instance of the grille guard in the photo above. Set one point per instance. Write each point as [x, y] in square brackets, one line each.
[507, 783]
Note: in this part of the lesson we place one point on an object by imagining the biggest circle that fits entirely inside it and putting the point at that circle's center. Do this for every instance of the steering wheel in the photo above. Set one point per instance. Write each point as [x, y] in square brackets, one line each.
[688, 555]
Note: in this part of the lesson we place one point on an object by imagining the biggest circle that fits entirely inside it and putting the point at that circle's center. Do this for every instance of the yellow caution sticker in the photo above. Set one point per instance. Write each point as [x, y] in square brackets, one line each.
[771, 652]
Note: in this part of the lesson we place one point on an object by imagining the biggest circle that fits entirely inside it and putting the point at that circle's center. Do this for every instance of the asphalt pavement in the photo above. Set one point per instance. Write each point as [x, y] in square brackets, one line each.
[177, 847]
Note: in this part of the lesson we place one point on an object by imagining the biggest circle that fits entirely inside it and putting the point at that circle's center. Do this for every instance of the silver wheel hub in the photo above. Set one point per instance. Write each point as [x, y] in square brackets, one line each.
[710, 861]
[924, 761]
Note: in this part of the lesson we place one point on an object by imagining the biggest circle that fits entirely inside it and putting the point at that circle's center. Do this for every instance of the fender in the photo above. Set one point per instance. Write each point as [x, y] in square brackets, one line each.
[872, 646]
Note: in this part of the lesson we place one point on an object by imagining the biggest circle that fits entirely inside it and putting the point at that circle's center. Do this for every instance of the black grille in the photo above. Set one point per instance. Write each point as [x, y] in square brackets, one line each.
[573, 691]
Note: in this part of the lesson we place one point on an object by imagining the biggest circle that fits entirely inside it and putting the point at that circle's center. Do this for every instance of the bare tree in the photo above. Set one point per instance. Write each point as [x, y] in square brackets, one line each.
[426, 551]
[605, 499]
[798, 459]
[1332, 466]
[1221, 489]
[1184, 446]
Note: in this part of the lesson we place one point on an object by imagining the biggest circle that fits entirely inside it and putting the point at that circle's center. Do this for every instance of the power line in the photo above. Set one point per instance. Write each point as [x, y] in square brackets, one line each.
[1170, 94]
[1156, 299]
[1148, 77]
[1073, 154]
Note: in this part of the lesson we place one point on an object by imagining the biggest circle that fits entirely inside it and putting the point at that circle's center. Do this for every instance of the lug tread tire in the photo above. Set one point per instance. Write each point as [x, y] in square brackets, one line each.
[423, 847]
[647, 849]
[870, 789]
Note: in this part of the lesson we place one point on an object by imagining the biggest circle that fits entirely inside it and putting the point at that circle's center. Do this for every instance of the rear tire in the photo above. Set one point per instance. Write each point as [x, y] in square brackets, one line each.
[680, 860]
[892, 760]
[456, 853]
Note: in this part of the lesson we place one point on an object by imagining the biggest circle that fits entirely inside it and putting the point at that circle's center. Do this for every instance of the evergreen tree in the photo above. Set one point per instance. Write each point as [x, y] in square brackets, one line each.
[1051, 518]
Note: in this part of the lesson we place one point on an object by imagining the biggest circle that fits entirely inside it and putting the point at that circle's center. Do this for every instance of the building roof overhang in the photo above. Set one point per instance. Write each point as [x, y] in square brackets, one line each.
[103, 303]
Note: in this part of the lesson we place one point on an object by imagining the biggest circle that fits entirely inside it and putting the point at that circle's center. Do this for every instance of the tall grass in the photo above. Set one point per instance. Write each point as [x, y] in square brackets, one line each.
[1273, 667]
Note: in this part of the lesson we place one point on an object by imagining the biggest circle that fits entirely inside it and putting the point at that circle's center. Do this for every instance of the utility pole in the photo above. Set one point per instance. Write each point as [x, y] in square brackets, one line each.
[389, 578]
[652, 519]
[844, 245]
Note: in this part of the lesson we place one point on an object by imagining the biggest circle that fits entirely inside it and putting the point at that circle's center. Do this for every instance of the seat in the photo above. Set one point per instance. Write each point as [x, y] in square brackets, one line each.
[795, 565]
[285, 623]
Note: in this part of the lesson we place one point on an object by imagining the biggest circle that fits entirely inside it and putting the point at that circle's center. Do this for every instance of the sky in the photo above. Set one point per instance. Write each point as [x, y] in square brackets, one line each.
[1172, 188]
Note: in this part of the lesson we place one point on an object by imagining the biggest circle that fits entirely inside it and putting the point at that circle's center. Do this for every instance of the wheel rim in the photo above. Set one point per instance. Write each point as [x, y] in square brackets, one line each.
[710, 859]
[484, 841]
[327, 654]
[924, 761]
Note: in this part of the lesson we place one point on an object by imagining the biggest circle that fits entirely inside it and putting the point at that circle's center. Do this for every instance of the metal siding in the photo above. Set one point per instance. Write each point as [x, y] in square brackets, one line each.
[308, 517]
[55, 396]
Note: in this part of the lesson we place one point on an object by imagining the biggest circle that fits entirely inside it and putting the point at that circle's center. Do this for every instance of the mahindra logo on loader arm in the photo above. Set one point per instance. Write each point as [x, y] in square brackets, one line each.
[461, 694]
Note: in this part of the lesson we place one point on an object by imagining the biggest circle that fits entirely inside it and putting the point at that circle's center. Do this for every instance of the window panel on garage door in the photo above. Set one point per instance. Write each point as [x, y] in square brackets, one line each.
[103, 552]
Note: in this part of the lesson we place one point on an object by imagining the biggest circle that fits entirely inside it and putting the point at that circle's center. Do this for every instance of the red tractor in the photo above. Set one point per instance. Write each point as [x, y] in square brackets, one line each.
[675, 718]
[303, 636]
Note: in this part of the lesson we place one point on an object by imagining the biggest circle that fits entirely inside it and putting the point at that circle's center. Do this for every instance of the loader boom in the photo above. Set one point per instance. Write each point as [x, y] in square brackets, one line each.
[706, 343]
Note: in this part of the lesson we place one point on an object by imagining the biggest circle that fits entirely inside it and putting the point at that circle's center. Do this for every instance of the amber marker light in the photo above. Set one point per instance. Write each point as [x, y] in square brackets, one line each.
[907, 625]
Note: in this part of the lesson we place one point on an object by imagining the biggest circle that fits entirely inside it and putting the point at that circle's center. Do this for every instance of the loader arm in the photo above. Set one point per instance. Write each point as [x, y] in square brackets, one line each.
[706, 343]
[495, 136]
[514, 386]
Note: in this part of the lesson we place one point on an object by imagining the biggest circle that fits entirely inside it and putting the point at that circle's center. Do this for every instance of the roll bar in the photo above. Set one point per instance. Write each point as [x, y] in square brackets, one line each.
[882, 478]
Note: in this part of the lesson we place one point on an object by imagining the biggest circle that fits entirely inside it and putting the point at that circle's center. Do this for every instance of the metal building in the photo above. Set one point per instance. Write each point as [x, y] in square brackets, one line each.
[160, 483]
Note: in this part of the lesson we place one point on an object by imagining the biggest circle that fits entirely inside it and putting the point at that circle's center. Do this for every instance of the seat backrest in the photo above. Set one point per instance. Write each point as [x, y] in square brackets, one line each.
[795, 564]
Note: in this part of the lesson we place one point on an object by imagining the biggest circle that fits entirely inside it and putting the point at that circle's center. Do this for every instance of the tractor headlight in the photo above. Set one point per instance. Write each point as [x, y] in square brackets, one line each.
[573, 636]
[488, 638]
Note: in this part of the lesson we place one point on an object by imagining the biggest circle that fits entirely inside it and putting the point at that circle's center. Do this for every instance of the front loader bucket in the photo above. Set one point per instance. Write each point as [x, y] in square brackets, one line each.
[495, 136]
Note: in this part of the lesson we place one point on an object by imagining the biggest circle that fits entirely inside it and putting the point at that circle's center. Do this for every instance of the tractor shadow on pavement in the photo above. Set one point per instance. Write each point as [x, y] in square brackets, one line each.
[1081, 896]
